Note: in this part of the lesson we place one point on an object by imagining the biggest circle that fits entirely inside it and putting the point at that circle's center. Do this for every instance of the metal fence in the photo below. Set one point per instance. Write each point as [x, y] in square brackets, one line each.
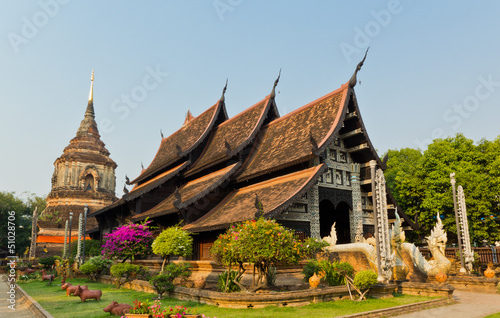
[486, 254]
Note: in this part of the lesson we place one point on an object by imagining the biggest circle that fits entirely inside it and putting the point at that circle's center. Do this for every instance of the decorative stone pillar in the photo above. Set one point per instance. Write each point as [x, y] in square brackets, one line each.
[460, 249]
[33, 234]
[373, 166]
[464, 224]
[356, 217]
[65, 247]
[79, 243]
[384, 240]
[313, 206]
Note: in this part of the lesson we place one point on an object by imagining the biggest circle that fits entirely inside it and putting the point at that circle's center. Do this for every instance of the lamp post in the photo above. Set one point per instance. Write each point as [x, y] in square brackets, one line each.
[70, 225]
[85, 211]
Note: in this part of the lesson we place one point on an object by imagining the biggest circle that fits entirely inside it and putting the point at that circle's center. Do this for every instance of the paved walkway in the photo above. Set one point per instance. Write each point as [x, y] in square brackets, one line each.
[21, 310]
[469, 305]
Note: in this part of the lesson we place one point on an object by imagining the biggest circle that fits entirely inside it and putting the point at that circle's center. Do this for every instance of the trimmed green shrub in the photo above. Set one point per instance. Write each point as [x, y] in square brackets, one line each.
[365, 279]
[47, 262]
[95, 267]
[92, 248]
[332, 273]
[173, 241]
[163, 283]
[32, 277]
[127, 270]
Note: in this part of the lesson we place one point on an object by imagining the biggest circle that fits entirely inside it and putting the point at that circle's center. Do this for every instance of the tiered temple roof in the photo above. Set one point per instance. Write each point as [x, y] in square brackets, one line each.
[210, 172]
[275, 196]
[183, 141]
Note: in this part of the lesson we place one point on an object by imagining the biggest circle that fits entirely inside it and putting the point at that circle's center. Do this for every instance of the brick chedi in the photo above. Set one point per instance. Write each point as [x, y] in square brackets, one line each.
[83, 175]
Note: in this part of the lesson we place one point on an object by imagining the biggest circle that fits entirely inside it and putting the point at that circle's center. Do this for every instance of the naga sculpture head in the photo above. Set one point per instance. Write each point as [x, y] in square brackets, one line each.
[397, 234]
[438, 238]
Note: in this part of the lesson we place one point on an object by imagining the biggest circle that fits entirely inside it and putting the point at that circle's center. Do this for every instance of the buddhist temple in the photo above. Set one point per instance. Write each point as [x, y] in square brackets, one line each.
[308, 169]
[84, 175]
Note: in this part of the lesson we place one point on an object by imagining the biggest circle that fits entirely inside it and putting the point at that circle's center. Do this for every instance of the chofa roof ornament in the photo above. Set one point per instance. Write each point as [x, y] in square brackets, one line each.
[353, 80]
[222, 98]
[273, 92]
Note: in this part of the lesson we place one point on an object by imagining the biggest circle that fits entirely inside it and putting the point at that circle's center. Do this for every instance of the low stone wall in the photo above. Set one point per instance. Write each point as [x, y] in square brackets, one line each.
[382, 290]
[259, 300]
[475, 284]
[426, 289]
[139, 285]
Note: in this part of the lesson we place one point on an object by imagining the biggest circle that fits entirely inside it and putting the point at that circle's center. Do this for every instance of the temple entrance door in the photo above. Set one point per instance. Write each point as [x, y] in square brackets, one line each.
[326, 217]
[342, 218]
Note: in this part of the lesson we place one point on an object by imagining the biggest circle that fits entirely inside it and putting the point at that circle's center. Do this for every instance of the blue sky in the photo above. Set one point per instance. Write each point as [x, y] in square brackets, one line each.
[432, 70]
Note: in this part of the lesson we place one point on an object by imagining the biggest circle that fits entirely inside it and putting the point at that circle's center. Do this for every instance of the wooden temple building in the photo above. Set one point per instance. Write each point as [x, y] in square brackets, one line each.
[84, 176]
[308, 169]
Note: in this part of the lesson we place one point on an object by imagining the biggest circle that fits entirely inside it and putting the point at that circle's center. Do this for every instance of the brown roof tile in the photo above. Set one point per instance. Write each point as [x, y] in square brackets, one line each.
[113, 205]
[234, 133]
[155, 182]
[287, 140]
[190, 192]
[187, 138]
[274, 194]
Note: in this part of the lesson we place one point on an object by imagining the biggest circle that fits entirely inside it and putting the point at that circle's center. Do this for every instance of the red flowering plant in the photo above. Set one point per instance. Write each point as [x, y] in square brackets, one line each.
[128, 241]
[141, 307]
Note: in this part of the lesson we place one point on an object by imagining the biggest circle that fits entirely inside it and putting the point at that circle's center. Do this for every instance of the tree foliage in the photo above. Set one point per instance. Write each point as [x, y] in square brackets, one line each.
[421, 184]
[264, 243]
[173, 241]
[92, 248]
[9, 201]
[128, 241]
[164, 282]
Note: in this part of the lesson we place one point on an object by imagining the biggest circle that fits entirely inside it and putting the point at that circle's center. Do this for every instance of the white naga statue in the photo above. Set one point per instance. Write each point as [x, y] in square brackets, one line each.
[437, 244]
[401, 269]
[332, 239]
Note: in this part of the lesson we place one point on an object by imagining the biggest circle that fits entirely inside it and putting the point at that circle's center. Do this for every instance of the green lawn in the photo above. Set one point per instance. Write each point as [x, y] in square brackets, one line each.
[54, 300]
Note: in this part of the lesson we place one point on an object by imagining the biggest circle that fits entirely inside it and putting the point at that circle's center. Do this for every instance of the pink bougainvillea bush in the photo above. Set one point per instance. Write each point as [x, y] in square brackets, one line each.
[128, 241]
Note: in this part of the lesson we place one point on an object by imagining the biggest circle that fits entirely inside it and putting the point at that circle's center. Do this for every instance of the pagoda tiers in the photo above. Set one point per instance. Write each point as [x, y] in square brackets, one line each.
[83, 176]
[308, 169]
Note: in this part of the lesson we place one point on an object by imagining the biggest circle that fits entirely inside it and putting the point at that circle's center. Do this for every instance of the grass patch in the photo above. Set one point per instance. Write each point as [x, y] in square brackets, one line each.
[497, 315]
[54, 300]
